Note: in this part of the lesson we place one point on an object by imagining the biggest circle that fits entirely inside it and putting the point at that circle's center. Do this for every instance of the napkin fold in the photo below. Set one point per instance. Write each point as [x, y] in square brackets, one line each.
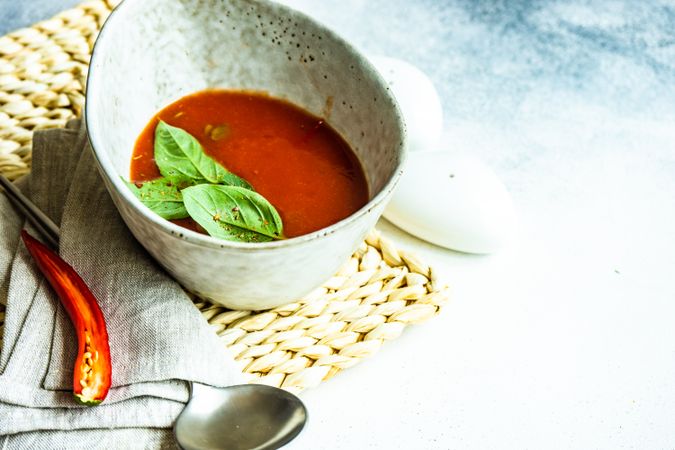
[158, 339]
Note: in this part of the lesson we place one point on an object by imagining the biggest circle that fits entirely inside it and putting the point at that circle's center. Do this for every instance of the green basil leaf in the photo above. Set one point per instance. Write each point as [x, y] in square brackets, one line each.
[162, 196]
[233, 213]
[230, 179]
[179, 155]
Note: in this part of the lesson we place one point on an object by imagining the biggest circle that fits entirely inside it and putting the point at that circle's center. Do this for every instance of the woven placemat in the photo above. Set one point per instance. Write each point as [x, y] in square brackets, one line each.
[370, 300]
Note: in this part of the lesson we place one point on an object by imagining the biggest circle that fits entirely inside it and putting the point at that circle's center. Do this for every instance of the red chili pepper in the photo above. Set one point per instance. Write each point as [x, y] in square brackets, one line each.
[92, 372]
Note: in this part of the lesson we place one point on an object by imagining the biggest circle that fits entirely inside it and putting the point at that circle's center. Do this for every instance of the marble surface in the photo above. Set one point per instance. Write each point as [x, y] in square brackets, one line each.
[566, 339]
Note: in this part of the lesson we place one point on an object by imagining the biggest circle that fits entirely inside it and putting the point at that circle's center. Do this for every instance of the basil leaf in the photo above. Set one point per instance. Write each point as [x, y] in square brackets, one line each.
[230, 179]
[233, 213]
[162, 196]
[180, 156]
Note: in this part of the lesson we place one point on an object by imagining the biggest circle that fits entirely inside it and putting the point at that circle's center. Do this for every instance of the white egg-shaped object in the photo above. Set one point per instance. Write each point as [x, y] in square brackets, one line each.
[453, 201]
[417, 98]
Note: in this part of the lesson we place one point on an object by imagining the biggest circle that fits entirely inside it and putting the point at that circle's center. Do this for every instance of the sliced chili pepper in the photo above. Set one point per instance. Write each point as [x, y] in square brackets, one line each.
[93, 370]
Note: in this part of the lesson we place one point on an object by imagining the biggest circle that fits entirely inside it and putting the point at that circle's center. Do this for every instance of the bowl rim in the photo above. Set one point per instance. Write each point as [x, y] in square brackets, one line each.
[107, 168]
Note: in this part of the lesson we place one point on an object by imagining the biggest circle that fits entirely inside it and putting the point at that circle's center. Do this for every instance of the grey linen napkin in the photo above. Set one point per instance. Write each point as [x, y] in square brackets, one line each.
[158, 339]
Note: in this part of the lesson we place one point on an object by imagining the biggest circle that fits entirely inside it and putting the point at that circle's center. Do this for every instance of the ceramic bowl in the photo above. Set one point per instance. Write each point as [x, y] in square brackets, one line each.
[152, 52]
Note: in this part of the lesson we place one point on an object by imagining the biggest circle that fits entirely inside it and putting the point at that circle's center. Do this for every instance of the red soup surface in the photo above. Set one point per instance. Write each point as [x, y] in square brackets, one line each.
[295, 160]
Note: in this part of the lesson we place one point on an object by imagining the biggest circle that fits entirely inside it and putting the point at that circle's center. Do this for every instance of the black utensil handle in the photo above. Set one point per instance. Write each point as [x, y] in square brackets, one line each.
[47, 228]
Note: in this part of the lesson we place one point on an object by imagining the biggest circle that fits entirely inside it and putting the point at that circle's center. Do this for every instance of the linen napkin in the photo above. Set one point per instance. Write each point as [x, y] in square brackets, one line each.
[158, 339]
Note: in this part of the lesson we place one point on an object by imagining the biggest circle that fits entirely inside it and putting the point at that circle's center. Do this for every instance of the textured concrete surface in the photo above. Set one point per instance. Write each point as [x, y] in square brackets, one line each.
[22, 13]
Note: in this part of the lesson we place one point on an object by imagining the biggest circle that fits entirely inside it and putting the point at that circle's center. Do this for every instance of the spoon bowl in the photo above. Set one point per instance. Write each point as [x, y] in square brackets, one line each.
[239, 417]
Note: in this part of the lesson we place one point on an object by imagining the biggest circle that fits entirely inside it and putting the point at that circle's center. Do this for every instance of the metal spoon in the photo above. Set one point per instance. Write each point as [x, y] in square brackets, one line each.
[245, 416]
[248, 416]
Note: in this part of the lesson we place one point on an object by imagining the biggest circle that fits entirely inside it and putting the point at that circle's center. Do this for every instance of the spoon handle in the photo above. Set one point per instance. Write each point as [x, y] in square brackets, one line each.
[42, 223]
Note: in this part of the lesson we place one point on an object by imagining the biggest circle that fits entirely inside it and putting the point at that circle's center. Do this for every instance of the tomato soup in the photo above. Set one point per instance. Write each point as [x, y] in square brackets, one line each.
[295, 160]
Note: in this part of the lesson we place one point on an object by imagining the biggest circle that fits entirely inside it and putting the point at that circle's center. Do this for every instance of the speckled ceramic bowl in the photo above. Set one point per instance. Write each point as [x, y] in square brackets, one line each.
[152, 52]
